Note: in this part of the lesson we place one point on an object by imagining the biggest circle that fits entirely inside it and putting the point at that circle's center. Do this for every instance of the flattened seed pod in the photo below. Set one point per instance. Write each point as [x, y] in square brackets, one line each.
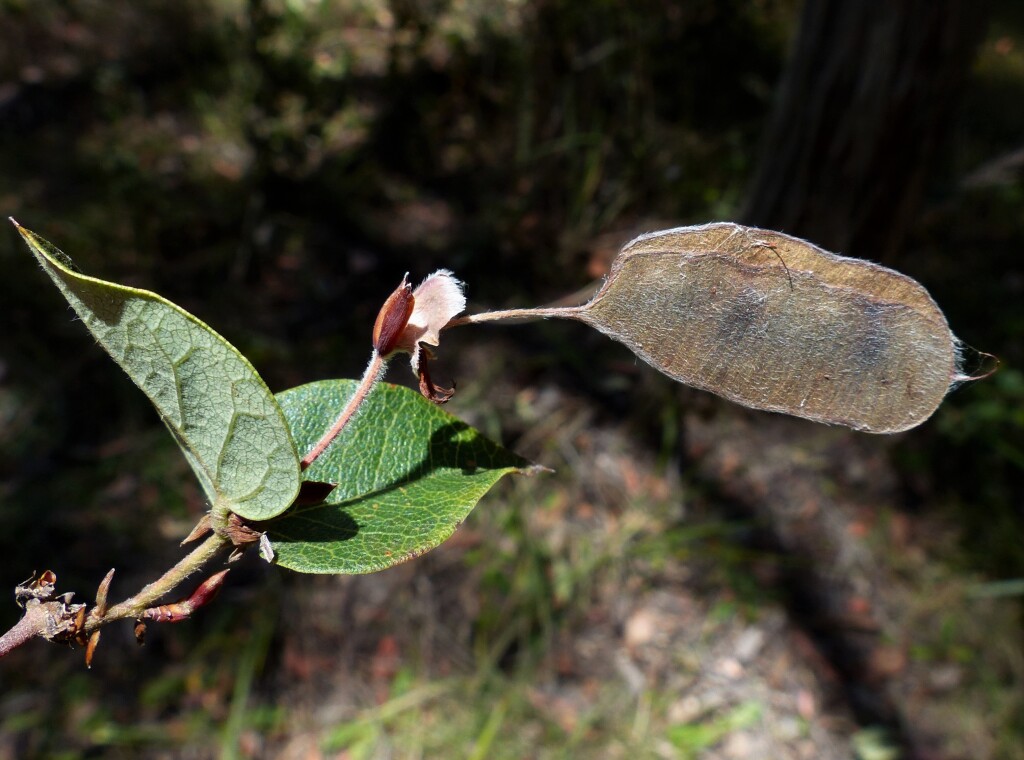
[775, 323]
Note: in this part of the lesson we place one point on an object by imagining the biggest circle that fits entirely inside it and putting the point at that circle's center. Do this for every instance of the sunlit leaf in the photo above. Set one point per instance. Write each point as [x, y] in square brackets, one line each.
[408, 474]
[218, 408]
[775, 323]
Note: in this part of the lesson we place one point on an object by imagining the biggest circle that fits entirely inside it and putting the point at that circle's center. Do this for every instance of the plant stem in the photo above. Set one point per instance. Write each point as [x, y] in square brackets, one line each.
[374, 372]
[524, 315]
[30, 626]
[46, 619]
[152, 593]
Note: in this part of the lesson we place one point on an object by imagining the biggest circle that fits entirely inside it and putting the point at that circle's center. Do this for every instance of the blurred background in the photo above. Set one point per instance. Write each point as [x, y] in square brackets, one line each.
[694, 579]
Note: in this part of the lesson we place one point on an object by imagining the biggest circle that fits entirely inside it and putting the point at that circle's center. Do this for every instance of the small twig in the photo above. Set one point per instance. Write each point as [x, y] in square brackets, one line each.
[374, 372]
[524, 315]
[153, 592]
[60, 620]
[175, 612]
[32, 624]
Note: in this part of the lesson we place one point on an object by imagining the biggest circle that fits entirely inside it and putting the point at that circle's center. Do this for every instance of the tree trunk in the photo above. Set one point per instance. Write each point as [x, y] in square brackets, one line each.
[859, 119]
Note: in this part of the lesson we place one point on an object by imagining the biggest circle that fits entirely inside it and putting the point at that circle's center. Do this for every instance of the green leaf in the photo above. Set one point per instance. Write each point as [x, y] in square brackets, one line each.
[408, 473]
[219, 410]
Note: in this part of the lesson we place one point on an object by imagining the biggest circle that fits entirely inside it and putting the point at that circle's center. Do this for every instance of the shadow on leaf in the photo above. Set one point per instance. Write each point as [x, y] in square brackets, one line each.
[446, 457]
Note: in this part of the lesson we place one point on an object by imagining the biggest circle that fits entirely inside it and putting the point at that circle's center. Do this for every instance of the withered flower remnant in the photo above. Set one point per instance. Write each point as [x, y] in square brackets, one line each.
[434, 303]
[409, 322]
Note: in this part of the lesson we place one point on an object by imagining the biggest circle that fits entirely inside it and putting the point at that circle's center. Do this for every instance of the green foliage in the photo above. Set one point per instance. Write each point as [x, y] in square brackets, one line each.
[986, 495]
[994, 412]
[217, 407]
[408, 474]
[694, 738]
[874, 744]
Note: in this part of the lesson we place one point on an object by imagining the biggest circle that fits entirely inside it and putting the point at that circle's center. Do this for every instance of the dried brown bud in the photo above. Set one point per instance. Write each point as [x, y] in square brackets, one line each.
[101, 594]
[428, 390]
[90, 648]
[41, 588]
[392, 319]
[201, 529]
[140, 632]
[239, 533]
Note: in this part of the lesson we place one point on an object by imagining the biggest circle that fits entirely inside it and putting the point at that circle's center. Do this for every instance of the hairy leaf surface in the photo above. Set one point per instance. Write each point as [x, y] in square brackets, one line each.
[219, 410]
[408, 474]
[775, 323]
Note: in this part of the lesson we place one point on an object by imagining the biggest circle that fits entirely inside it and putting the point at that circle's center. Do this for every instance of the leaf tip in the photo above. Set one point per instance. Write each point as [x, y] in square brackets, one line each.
[21, 230]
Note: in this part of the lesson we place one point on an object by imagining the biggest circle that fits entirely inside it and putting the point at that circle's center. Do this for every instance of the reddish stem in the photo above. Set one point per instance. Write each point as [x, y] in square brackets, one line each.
[26, 628]
[374, 372]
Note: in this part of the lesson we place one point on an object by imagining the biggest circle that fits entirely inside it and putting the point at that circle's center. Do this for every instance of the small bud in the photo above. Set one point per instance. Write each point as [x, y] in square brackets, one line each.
[140, 632]
[392, 319]
[101, 594]
[182, 610]
[76, 630]
[207, 590]
[202, 528]
[90, 648]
